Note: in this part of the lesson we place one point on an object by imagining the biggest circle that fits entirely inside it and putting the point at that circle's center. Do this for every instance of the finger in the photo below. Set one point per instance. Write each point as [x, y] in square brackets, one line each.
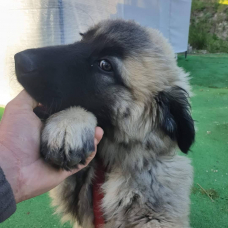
[98, 134]
[88, 160]
[23, 101]
[91, 157]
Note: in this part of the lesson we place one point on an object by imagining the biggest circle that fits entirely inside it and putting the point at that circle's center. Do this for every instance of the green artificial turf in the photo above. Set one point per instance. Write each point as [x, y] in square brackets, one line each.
[209, 154]
[1, 112]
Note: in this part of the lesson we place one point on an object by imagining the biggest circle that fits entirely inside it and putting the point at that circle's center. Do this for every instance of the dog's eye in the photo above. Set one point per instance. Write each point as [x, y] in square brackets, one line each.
[105, 65]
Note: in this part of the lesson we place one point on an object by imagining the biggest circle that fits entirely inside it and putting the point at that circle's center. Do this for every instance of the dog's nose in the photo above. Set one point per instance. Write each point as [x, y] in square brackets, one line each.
[24, 62]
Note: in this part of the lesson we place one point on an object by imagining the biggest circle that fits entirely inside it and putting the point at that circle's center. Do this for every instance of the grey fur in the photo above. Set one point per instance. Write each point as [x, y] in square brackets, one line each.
[147, 184]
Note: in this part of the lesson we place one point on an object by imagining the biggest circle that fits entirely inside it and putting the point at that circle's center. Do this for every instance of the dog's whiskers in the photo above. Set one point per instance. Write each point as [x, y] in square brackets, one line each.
[50, 107]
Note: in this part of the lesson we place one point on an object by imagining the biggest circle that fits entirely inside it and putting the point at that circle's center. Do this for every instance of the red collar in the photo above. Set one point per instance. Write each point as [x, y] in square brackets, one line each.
[98, 196]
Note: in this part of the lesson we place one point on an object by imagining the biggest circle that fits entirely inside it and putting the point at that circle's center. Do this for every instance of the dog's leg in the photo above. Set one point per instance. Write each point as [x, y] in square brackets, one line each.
[68, 138]
[73, 198]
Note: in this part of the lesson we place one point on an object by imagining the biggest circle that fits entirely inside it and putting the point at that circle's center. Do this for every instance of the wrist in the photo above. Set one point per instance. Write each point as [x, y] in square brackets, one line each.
[10, 165]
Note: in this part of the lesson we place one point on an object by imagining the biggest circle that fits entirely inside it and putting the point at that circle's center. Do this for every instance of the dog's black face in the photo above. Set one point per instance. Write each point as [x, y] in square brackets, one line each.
[84, 74]
[64, 76]
[125, 75]
[71, 75]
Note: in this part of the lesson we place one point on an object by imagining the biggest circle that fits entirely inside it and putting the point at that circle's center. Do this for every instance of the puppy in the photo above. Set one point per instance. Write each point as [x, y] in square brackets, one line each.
[123, 78]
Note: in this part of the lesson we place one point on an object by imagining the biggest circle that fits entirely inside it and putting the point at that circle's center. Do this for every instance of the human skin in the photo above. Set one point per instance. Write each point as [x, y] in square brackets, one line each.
[20, 159]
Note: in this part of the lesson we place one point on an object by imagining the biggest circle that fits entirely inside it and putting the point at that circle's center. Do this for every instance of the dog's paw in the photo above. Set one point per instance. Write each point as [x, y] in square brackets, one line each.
[68, 138]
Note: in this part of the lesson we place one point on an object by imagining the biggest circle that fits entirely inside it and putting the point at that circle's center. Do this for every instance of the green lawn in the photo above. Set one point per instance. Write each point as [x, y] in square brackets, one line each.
[209, 153]
[1, 112]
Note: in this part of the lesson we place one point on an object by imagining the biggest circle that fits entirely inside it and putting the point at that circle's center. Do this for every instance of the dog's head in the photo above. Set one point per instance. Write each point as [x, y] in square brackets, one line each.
[123, 73]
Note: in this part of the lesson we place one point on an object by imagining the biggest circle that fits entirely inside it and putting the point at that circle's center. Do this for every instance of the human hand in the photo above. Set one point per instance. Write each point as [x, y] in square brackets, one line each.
[25, 170]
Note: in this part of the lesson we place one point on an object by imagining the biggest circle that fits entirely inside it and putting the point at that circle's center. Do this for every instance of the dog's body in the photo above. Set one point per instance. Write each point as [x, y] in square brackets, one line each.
[128, 81]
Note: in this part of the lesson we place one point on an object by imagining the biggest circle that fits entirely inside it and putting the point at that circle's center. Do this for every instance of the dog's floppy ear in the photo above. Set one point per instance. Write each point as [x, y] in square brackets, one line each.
[175, 118]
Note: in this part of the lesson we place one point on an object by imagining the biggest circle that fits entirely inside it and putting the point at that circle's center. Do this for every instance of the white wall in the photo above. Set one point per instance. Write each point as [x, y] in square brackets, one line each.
[36, 23]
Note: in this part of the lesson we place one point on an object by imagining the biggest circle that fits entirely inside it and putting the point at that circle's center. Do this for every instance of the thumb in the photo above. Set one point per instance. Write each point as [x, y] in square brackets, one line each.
[22, 101]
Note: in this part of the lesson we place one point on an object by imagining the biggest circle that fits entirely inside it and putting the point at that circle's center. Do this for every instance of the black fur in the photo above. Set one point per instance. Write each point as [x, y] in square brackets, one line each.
[175, 117]
[72, 197]
[137, 37]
